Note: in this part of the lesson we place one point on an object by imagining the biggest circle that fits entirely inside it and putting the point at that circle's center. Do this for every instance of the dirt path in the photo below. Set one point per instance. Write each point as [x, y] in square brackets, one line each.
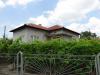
[8, 70]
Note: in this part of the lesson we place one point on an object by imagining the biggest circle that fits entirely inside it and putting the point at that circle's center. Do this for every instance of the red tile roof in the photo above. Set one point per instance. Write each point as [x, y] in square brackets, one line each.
[55, 27]
[52, 28]
[37, 26]
[31, 26]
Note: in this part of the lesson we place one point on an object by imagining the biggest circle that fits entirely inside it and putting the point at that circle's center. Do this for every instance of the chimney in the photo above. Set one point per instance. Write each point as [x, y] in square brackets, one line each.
[40, 24]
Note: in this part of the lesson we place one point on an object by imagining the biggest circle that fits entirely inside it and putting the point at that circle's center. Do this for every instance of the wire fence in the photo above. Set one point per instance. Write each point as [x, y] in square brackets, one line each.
[38, 64]
[49, 64]
[7, 64]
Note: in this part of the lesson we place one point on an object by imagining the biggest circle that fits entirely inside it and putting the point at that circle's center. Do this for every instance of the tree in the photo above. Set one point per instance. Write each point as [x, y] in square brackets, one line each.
[88, 35]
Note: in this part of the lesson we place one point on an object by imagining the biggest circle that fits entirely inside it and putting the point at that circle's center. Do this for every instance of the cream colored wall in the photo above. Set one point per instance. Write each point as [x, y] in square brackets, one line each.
[20, 34]
[27, 33]
[35, 32]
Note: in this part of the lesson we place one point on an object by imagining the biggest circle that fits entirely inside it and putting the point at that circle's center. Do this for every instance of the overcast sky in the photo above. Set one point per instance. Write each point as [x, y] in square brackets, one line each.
[78, 15]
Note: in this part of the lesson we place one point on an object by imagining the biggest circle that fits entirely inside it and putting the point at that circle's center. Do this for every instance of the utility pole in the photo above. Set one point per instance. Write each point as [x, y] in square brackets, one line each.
[4, 35]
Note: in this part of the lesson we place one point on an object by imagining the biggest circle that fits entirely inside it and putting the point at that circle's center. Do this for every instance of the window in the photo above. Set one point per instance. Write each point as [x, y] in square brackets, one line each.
[34, 37]
[37, 37]
[21, 37]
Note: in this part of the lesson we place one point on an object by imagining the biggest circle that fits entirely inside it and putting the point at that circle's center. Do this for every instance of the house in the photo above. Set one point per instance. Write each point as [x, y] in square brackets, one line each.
[29, 32]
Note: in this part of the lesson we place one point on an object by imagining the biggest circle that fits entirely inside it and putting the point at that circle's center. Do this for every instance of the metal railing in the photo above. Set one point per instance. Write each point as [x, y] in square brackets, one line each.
[49, 64]
[97, 64]
[54, 64]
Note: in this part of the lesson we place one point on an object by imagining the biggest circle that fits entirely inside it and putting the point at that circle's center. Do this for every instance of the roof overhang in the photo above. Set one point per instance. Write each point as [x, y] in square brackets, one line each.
[44, 28]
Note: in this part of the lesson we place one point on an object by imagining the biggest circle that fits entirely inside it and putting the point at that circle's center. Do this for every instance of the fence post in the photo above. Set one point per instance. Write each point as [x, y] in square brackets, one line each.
[97, 64]
[19, 63]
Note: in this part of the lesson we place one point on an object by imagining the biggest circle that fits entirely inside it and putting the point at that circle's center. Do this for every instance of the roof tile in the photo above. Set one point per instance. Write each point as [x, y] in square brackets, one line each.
[55, 27]
[37, 26]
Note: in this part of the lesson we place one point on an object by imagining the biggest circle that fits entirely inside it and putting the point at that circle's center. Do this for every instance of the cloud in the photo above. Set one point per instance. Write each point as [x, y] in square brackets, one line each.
[68, 11]
[92, 25]
[39, 20]
[73, 10]
[4, 3]
[18, 2]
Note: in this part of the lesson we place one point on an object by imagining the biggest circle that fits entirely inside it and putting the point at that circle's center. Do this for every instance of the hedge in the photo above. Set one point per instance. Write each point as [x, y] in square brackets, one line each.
[55, 46]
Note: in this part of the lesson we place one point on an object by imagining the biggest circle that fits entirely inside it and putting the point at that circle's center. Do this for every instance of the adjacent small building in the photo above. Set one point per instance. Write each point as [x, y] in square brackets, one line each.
[29, 32]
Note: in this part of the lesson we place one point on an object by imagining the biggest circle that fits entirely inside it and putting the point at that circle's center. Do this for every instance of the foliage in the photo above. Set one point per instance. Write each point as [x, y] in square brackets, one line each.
[4, 44]
[55, 46]
[88, 35]
[86, 47]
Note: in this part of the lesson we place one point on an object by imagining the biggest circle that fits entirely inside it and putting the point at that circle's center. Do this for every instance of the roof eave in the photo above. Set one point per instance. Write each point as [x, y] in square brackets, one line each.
[25, 25]
[66, 29]
[18, 28]
[71, 31]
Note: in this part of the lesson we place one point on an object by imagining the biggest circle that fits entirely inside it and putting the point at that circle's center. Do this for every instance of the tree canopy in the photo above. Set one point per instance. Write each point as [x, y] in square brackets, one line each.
[88, 35]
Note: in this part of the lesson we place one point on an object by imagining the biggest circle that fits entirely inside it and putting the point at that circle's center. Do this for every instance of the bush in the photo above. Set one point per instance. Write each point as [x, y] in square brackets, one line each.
[55, 46]
[4, 44]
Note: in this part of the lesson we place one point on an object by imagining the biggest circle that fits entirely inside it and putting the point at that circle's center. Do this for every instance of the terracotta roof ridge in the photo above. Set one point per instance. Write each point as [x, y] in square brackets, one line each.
[39, 26]
[57, 25]
[54, 27]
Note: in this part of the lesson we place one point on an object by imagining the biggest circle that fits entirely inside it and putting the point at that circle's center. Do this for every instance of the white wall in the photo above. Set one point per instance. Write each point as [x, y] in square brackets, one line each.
[36, 32]
[27, 33]
[20, 34]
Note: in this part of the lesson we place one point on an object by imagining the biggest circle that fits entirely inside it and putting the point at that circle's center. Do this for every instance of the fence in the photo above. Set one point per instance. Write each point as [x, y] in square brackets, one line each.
[41, 64]
[49, 64]
[7, 64]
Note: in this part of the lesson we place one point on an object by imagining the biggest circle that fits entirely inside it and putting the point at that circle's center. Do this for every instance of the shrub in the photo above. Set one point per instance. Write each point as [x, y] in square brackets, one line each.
[55, 46]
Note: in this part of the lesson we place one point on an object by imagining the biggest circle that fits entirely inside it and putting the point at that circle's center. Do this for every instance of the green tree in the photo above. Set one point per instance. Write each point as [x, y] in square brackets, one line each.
[88, 35]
